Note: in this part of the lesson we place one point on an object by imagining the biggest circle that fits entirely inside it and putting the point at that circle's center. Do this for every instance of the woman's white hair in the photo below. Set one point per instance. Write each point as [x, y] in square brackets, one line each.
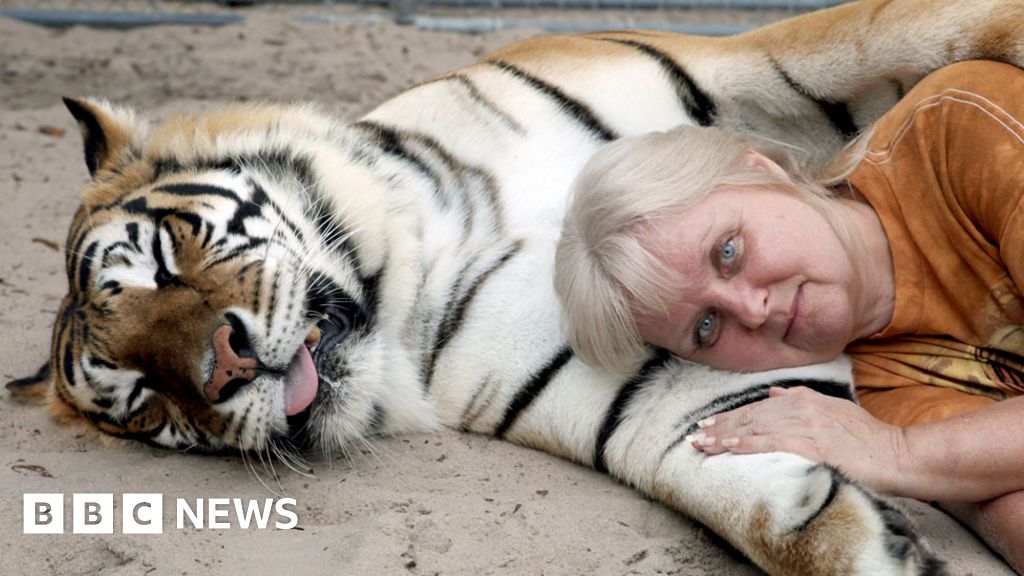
[605, 275]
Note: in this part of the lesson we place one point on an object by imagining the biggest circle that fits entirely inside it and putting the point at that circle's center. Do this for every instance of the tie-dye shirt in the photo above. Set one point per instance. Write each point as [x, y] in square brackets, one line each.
[945, 173]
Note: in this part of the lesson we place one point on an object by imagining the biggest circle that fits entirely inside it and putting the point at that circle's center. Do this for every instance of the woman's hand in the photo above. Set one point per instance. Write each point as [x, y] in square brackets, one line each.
[815, 426]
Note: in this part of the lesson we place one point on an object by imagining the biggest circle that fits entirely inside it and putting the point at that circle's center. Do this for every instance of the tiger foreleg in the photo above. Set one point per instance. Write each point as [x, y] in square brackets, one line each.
[789, 515]
[793, 516]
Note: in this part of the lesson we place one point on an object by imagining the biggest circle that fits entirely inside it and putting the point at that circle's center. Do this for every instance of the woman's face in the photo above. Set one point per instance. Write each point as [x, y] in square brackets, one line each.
[768, 283]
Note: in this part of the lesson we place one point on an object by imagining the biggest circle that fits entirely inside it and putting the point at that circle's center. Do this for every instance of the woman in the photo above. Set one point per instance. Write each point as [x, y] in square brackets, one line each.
[909, 258]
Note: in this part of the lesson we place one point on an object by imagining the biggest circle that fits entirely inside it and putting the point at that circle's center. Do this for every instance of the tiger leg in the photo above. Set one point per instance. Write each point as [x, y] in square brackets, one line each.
[787, 514]
[793, 516]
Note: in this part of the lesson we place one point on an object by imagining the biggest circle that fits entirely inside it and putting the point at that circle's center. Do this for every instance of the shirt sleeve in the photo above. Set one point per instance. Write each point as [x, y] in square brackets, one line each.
[976, 150]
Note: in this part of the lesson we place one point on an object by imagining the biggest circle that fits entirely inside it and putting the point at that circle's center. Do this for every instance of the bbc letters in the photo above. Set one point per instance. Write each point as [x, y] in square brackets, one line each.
[93, 513]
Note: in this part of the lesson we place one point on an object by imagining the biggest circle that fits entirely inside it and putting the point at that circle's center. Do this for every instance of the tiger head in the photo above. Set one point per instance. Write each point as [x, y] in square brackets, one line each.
[224, 293]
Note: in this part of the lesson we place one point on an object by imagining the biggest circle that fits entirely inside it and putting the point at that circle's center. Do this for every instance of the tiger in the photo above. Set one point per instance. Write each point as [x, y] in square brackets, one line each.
[266, 276]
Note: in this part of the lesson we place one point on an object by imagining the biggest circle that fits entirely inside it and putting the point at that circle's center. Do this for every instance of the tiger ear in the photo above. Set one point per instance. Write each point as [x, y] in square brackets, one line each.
[32, 388]
[106, 132]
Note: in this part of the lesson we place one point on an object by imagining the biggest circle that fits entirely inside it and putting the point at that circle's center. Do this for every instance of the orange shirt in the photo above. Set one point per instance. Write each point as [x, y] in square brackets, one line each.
[945, 173]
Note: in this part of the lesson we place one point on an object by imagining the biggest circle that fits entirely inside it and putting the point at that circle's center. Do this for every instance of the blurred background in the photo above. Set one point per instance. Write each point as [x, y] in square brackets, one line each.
[708, 17]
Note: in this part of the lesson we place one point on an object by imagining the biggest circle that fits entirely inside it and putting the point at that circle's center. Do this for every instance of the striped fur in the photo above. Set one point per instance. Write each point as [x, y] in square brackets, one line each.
[423, 235]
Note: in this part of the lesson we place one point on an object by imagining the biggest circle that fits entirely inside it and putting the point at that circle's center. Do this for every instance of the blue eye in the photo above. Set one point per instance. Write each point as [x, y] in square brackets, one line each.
[706, 329]
[726, 256]
[728, 251]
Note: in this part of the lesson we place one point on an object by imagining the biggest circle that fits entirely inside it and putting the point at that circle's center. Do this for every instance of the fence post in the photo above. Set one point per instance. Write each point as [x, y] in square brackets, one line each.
[403, 11]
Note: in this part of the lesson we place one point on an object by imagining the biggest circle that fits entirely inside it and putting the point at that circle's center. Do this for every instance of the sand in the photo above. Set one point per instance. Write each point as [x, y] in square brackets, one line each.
[445, 503]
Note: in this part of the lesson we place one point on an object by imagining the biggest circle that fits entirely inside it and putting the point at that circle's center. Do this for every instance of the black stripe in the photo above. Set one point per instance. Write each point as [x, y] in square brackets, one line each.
[146, 436]
[246, 268]
[104, 260]
[192, 189]
[332, 233]
[192, 219]
[61, 327]
[528, 393]
[280, 163]
[208, 236]
[236, 252]
[62, 393]
[257, 289]
[697, 103]
[201, 438]
[103, 402]
[132, 228]
[140, 206]
[429, 157]
[68, 360]
[455, 314]
[471, 411]
[832, 388]
[389, 140]
[163, 275]
[376, 420]
[576, 109]
[253, 209]
[85, 267]
[165, 166]
[478, 98]
[371, 297]
[166, 227]
[136, 390]
[272, 303]
[234, 164]
[239, 424]
[613, 417]
[75, 253]
[95, 360]
[746, 396]
[837, 481]
[838, 113]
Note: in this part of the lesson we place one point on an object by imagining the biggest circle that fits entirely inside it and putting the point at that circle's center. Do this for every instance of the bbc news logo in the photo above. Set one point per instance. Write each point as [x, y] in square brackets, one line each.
[144, 513]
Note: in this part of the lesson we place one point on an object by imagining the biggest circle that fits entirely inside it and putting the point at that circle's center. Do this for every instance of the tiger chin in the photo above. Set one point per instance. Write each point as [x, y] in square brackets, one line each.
[264, 276]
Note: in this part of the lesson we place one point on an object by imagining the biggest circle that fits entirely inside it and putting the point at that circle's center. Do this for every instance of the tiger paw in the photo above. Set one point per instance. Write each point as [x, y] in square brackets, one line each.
[839, 528]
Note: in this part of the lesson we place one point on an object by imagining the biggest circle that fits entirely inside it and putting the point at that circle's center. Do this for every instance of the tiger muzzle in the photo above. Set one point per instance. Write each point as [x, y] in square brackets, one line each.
[235, 363]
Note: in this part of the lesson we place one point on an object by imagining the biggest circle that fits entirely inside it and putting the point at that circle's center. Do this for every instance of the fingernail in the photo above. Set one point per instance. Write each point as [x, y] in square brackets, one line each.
[709, 421]
[731, 442]
[695, 438]
[707, 441]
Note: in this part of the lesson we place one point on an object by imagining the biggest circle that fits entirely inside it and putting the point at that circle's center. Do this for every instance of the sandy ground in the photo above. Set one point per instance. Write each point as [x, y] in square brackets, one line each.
[439, 504]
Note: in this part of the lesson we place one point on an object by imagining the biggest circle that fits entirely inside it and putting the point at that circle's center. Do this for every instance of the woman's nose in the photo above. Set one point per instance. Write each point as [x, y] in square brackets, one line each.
[750, 306]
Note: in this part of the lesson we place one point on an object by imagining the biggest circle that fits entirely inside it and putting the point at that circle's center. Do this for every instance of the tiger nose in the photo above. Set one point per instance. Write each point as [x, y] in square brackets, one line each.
[235, 363]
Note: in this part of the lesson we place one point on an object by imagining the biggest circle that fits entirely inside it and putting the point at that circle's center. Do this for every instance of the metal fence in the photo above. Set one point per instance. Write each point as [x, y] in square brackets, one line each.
[709, 17]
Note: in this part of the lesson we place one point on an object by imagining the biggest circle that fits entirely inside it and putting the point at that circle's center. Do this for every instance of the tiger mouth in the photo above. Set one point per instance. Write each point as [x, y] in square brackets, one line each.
[302, 381]
[300, 394]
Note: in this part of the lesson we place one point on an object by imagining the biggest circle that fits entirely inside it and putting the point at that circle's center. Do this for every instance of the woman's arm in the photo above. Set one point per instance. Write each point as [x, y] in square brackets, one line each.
[970, 458]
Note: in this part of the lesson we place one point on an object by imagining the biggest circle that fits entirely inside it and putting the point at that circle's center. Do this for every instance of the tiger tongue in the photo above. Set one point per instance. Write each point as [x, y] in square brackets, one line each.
[300, 383]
